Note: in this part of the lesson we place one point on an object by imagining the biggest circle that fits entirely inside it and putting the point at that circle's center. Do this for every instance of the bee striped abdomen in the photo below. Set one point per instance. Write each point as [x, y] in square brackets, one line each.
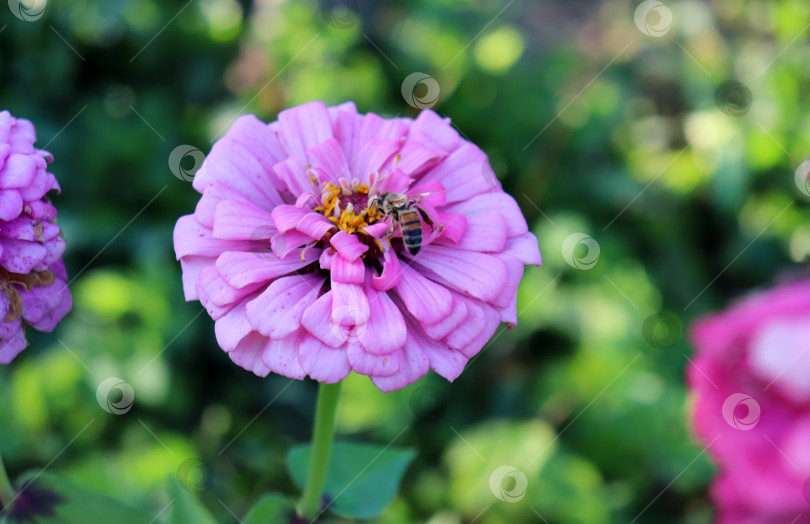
[411, 231]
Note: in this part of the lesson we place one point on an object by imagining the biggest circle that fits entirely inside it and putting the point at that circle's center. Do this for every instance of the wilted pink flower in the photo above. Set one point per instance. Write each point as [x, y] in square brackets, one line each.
[33, 287]
[288, 248]
[751, 378]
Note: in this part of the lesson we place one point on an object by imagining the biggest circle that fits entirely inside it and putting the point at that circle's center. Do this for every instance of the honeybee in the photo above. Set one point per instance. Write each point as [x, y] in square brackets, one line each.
[401, 208]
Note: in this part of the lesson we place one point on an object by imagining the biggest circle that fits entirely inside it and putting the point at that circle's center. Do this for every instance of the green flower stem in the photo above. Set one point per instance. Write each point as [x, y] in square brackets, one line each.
[7, 492]
[322, 437]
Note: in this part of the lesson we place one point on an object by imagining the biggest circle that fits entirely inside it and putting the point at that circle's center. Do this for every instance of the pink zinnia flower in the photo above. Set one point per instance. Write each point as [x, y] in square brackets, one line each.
[751, 378]
[33, 287]
[289, 248]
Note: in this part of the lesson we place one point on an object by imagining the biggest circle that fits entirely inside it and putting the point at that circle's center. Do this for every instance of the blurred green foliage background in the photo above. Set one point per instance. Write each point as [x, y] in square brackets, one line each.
[685, 183]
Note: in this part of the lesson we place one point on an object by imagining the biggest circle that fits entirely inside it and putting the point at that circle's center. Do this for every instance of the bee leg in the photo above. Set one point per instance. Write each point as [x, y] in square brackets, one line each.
[425, 216]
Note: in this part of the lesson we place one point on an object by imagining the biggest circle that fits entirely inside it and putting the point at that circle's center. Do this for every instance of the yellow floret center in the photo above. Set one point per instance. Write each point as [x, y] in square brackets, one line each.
[349, 212]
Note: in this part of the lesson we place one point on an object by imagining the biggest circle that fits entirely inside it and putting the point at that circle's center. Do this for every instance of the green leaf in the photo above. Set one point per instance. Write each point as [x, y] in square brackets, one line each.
[186, 507]
[362, 479]
[270, 508]
[46, 498]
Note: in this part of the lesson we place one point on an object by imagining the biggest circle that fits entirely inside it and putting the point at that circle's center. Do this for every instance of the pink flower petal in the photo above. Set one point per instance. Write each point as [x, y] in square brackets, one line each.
[294, 176]
[349, 304]
[391, 274]
[385, 331]
[492, 320]
[259, 140]
[329, 157]
[21, 256]
[277, 311]
[437, 129]
[213, 290]
[286, 217]
[418, 154]
[497, 201]
[20, 170]
[248, 354]
[12, 340]
[281, 356]
[443, 327]
[462, 174]
[236, 220]
[348, 271]
[44, 307]
[524, 248]
[213, 195]
[371, 364]
[372, 157]
[413, 364]
[474, 325]
[485, 232]
[304, 127]
[242, 269]
[232, 327]
[232, 165]
[514, 274]
[475, 274]
[11, 204]
[282, 244]
[191, 238]
[321, 362]
[432, 193]
[314, 225]
[378, 229]
[191, 266]
[452, 225]
[317, 322]
[348, 245]
[426, 300]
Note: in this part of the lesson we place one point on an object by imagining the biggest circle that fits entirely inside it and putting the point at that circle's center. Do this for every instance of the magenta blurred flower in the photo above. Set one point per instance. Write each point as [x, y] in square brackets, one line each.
[751, 378]
[290, 252]
[33, 287]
